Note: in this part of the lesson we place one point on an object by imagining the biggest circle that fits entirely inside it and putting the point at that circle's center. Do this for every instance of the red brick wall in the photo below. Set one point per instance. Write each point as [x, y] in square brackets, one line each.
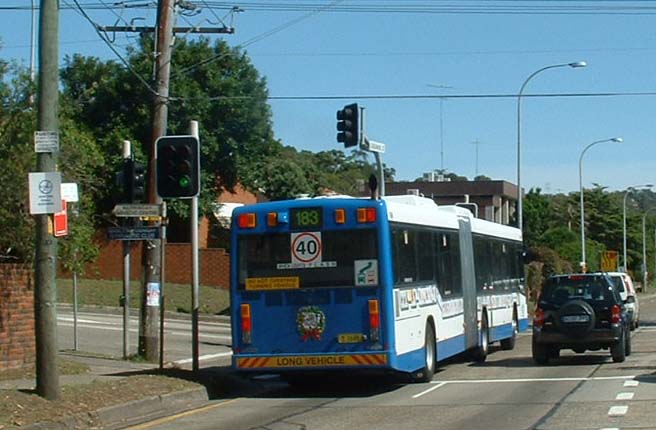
[17, 345]
[214, 264]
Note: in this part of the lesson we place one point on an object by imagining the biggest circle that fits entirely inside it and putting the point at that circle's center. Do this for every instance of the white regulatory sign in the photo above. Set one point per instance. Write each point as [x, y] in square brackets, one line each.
[45, 192]
[46, 141]
[306, 247]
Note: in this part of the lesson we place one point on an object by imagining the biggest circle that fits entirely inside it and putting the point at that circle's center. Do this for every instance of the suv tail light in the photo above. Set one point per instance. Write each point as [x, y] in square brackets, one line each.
[538, 318]
[615, 314]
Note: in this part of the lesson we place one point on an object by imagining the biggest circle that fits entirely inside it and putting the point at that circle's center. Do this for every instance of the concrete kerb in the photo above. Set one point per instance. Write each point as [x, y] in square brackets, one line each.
[135, 412]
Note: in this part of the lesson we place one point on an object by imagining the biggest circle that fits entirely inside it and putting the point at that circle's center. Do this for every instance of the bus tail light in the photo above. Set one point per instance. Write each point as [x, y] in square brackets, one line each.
[366, 215]
[374, 320]
[538, 318]
[615, 314]
[246, 324]
[340, 216]
[246, 220]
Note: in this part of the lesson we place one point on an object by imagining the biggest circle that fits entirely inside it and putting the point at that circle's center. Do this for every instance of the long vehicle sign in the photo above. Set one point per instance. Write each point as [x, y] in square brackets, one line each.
[312, 361]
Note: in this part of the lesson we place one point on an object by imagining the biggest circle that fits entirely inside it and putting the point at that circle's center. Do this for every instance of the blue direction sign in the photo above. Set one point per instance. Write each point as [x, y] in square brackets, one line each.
[132, 233]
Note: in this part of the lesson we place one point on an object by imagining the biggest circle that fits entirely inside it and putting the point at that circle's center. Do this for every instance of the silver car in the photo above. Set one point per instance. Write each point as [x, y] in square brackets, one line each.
[625, 287]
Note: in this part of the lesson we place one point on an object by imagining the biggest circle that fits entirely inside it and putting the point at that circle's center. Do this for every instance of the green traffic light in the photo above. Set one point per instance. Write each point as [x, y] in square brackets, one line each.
[184, 181]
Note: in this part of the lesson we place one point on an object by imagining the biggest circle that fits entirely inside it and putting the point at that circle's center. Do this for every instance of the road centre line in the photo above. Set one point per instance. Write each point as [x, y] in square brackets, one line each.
[429, 390]
[573, 379]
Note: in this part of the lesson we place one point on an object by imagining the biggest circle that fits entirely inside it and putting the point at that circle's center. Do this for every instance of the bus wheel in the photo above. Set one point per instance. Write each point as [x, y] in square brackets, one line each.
[481, 351]
[430, 357]
[509, 343]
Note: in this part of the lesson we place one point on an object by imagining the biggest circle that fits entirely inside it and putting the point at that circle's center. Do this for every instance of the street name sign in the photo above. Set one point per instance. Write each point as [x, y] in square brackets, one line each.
[132, 233]
[137, 210]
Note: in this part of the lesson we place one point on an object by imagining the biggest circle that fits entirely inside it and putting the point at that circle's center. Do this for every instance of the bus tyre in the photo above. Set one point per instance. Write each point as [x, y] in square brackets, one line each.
[481, 351]
[509, 343]
[430, 357]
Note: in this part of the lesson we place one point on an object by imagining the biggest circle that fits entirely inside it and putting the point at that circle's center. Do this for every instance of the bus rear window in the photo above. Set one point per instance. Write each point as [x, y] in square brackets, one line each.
[325, 259]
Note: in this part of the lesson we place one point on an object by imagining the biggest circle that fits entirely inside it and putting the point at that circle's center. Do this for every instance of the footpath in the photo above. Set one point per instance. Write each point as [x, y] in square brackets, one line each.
[108, 393]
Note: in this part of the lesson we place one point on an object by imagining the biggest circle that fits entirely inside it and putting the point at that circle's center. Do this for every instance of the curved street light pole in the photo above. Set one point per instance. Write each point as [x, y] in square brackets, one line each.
[612, 139]
[520, 211]
[626, 194]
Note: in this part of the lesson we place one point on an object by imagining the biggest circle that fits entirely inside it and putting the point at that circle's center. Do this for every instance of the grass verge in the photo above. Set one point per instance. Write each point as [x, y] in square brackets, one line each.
[177, 297]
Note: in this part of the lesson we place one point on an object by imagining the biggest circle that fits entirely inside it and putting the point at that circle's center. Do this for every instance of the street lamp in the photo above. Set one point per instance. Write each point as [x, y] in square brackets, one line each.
[574, 65]
[612, 139]
[626, 194]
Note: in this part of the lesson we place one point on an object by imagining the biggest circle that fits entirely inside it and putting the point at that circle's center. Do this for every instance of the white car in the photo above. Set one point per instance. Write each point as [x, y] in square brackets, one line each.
[624, 285]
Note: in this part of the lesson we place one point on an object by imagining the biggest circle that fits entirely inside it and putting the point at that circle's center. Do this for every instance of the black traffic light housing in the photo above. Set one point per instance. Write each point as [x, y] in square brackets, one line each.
[348, 125]
[178, 166]
[134, 181]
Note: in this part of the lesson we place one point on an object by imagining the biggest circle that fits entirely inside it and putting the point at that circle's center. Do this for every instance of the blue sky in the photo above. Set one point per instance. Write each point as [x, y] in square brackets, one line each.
[334, 52]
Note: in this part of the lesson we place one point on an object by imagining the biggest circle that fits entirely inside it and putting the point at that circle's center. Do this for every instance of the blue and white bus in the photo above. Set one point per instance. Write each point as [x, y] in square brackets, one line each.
[395, 284]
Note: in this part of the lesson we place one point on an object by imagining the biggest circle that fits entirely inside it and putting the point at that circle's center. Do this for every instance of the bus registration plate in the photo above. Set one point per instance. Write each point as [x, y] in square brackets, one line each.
[351, 338]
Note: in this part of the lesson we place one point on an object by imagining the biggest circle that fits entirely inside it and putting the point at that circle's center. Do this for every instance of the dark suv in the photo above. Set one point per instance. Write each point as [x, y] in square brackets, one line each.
[580, 312]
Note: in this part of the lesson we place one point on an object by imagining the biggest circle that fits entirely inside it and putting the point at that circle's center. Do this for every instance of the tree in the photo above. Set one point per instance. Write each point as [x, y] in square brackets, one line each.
[537, 213]
[227, 96]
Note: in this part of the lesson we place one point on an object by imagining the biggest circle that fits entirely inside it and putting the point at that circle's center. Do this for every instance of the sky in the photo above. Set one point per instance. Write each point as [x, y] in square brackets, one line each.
[439, 79]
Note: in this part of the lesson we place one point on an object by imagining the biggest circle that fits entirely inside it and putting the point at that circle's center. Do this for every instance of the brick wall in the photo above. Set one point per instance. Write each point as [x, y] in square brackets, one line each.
[214, 264]
[17, 347]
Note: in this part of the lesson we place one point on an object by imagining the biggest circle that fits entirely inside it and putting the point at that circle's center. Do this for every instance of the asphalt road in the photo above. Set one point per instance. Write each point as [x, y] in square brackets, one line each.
[102, 333]
[508, 391]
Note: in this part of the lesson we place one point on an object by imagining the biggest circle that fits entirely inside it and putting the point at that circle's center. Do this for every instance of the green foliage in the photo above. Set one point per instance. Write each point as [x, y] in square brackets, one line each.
[537, 210]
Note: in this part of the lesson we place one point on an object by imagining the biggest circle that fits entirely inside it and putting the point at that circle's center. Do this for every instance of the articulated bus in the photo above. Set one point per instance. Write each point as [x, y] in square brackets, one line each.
[352, 284]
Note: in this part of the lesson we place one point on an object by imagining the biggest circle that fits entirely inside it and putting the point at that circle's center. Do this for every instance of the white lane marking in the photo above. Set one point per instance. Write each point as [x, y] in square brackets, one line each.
[167, 332]
[624, 396]
[616, 411]
[610, 428]
[429, 390]
[204, 357]
[78, 320]
[482, 381]
[631, 383]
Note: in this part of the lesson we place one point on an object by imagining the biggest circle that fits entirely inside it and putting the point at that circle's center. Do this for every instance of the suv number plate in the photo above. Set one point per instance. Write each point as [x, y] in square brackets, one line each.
[576, 318]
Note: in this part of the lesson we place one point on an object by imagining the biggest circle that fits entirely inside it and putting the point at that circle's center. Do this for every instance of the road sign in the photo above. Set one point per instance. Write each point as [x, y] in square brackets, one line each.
[373, 146]
[137, 210]
[132, 233]
[45, 192]
[69, 192]
[60, 221]
[609, 260]
[306, 247]
[46, 141]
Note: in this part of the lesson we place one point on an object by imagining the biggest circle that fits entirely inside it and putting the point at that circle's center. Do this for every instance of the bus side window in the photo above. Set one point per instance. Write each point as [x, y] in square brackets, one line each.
[405, 261]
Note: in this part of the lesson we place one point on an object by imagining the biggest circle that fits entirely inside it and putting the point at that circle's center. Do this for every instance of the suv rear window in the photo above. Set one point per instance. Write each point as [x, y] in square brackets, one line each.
[559, 290]
[618, 282]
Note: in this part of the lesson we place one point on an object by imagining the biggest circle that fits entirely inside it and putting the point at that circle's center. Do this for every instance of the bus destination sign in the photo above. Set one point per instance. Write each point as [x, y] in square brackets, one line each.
[305, 218]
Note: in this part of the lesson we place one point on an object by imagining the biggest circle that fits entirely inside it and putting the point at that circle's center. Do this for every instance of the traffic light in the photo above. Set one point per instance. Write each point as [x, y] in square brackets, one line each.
[178, 166]
[134, 181]
[348, 125]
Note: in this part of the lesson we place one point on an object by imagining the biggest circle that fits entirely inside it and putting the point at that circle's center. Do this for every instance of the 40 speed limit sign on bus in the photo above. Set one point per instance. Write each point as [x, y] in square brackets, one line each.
[306, 248]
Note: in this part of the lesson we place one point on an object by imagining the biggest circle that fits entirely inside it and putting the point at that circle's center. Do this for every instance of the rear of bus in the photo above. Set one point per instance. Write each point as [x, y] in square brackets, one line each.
[306, 289]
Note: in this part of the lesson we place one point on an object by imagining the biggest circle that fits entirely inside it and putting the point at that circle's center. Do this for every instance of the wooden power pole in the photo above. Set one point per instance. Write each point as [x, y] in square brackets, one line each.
[45, 287]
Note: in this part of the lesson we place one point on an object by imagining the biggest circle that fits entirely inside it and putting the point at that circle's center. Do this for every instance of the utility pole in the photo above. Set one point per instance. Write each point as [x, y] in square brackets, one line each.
[152, 251]
[45, 287]
[148, 326]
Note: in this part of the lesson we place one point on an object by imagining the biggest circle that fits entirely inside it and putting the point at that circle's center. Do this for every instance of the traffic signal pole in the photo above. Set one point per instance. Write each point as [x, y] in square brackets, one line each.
[127, 155]
[195, 278]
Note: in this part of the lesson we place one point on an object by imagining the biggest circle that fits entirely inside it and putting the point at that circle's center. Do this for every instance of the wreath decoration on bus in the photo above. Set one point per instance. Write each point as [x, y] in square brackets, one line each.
[310, 323]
